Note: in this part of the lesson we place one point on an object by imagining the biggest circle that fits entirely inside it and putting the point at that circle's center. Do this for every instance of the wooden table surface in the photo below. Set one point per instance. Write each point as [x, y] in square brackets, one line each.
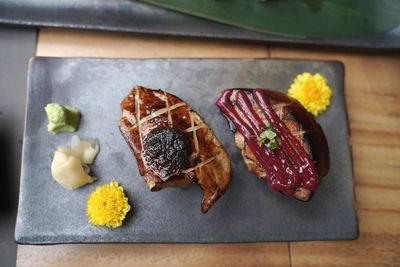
[372, 88]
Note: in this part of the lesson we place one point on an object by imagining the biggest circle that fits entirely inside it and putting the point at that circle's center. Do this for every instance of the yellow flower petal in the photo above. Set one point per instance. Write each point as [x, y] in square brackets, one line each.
[107, 205]
[312, 91]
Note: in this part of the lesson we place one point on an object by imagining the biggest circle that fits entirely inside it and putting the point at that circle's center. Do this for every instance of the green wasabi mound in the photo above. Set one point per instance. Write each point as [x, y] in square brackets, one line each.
[62, 118]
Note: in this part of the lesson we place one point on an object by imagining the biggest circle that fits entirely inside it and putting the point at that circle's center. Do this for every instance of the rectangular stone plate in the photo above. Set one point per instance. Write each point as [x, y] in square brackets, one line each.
[248, 212]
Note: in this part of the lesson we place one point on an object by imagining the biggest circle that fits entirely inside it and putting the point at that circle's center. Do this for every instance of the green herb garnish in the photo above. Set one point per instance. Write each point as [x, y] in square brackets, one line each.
[272, 144]
[268, 135]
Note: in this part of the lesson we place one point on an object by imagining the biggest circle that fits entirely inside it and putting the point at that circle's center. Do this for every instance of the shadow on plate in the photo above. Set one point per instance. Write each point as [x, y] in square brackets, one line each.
[8, 171]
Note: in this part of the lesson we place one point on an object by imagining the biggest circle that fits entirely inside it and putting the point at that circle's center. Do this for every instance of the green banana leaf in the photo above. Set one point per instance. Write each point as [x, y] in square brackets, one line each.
[304, 18]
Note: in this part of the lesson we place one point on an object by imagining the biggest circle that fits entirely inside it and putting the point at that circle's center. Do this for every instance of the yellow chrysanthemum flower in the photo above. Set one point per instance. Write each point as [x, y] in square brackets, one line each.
[312, 91]
[107, 205]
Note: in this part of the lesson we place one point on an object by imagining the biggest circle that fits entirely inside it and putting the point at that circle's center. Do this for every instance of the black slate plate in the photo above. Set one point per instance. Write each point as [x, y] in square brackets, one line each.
[132, 16]
[248, 212]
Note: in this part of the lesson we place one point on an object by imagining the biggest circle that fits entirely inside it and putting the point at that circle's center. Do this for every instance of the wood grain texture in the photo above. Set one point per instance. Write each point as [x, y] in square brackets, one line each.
[72, 43]
[154, 255]
[373, 99]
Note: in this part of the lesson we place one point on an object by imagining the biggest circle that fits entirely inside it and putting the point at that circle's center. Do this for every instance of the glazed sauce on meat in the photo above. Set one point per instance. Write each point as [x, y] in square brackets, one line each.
[288, 166]
[291, 145]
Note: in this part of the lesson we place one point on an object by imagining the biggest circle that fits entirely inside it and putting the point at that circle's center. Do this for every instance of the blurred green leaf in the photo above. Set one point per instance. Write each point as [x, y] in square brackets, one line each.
[305, 18]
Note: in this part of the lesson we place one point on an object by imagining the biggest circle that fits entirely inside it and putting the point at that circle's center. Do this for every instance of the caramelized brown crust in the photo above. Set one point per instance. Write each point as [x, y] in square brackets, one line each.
[302, 125]
[155, 109]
